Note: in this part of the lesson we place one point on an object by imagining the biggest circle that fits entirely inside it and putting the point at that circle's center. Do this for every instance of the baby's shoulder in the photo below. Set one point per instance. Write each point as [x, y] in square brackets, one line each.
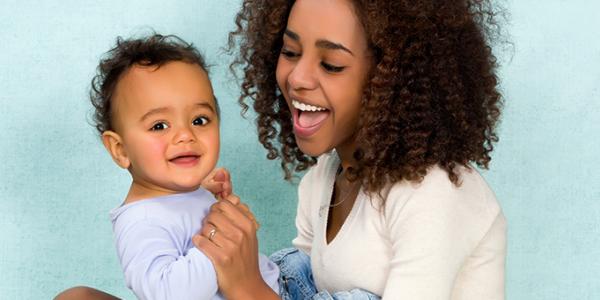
[165, 209]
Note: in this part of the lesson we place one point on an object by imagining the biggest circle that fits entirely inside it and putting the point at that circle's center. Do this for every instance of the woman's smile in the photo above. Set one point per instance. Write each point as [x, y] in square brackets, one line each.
[308, 118]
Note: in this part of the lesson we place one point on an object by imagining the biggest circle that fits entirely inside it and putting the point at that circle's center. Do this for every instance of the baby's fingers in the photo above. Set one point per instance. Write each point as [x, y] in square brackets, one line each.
[218, 182]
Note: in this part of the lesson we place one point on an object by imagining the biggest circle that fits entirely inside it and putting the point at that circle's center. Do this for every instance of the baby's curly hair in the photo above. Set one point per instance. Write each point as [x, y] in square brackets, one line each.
[431, 96]
[153, 50]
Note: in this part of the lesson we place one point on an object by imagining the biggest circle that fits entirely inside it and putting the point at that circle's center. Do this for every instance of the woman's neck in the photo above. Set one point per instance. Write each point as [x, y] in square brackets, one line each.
[345, 152]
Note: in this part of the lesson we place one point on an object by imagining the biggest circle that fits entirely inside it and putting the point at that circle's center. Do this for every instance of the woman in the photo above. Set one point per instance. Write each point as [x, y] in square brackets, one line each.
[396, 99]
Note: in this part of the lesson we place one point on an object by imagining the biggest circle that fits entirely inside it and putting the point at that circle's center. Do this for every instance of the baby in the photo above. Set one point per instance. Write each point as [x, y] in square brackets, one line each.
[158, 118]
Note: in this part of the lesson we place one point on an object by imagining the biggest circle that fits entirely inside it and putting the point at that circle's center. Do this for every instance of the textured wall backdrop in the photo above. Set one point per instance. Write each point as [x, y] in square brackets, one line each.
[58, 184]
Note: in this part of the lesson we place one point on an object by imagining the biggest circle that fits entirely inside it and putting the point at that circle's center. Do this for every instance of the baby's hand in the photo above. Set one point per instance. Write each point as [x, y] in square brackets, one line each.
[218, 182]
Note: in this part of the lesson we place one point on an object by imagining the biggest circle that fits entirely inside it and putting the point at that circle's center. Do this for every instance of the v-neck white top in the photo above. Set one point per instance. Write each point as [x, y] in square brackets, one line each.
[431, 240]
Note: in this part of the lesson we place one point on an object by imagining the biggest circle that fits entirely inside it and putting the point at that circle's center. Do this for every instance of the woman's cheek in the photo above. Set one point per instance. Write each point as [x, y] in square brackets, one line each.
[281, 74]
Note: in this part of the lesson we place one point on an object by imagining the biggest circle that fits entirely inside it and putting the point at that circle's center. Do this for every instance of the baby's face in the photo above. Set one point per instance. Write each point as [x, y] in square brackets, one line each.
[168, 124]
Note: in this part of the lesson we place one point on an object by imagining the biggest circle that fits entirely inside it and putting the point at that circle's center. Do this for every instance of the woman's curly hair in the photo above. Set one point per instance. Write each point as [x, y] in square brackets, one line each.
[431, 96]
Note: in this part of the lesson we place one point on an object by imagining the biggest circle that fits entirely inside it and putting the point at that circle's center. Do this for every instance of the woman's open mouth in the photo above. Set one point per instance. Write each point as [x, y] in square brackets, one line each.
[307, 118]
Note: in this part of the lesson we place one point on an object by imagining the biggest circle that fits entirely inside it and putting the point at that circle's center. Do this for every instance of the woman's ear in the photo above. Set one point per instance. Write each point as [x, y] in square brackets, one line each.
[113, 143]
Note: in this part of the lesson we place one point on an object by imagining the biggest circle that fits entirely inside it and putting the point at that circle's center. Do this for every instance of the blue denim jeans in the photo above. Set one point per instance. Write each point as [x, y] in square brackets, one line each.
[296, 279]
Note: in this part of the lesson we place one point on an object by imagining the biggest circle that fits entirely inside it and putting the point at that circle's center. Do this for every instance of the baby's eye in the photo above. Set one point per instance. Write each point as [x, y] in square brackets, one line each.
[200, 121]
[331, 68]
[159, 126]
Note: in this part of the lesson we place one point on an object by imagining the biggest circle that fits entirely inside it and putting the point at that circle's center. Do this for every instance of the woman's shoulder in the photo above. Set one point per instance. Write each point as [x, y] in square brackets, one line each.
[470, 198]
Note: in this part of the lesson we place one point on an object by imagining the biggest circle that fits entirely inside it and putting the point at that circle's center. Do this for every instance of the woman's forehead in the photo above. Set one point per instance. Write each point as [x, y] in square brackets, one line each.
[332, 20]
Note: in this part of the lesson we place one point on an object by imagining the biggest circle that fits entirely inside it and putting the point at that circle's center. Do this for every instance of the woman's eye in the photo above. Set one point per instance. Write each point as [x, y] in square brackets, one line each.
[331, 68]
[289, 54]
[159, 126]
[200, 121]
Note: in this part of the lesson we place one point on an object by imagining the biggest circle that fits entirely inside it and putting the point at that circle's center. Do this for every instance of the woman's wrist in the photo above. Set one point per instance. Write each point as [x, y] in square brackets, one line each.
[257, 289]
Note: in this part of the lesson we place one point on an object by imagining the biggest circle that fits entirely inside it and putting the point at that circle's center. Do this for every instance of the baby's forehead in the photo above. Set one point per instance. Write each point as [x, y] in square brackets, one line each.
[145, 87]
[164, 82]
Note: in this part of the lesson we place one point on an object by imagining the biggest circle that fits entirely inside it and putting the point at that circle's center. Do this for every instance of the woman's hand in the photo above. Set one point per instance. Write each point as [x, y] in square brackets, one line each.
[218, 182]
[228, 238]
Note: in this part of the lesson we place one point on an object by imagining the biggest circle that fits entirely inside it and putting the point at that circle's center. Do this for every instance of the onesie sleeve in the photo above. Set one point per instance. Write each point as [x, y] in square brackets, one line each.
[304, 226]
[432, 231]
[154, 268]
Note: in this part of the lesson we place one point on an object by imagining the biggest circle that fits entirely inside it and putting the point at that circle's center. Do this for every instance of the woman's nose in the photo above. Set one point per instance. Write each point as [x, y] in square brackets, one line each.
[303, 76]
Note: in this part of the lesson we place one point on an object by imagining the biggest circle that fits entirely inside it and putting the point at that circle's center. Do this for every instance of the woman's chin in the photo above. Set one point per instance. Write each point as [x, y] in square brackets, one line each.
[312, 148]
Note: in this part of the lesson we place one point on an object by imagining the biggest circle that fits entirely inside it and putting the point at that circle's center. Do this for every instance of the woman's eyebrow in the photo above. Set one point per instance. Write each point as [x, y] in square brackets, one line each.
[326, 44]
[321, 43]
[292, 35]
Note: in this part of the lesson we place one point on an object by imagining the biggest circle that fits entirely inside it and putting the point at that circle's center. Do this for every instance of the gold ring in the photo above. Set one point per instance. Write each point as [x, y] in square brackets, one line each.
[212, 233]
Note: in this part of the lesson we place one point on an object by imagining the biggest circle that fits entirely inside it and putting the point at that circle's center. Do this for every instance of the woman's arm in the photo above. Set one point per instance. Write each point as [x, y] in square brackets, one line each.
[446, 241]
[233, 249]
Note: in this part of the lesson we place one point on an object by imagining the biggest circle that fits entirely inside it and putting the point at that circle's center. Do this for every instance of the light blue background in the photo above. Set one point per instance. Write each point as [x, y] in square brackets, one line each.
[58, 184]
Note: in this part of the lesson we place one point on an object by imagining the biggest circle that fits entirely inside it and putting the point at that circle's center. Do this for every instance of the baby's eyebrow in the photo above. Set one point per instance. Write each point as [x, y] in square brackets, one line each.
[206, 104]
[153, 112]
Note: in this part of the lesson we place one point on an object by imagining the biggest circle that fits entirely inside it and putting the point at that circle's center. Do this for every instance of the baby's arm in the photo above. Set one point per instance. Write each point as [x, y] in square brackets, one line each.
[156, 268]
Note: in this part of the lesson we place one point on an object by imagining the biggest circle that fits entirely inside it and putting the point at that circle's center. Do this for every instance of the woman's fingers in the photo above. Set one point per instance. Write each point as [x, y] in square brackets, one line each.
[214, 235]
[246, 210]
[235, 200]
[218, 229]
[209, 248]
[235, 214]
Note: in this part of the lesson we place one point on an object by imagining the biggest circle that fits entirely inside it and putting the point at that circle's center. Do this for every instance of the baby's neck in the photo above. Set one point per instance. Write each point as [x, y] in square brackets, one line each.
[140, 191]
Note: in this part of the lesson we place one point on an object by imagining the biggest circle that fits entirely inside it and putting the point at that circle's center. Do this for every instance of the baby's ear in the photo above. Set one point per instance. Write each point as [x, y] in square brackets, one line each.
[113, 143]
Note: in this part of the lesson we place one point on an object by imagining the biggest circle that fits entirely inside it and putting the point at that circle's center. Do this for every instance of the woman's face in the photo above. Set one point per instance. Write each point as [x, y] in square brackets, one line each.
[321, 73]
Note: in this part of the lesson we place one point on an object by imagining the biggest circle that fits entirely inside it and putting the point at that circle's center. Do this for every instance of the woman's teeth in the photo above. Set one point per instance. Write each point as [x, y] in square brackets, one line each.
[306, 107]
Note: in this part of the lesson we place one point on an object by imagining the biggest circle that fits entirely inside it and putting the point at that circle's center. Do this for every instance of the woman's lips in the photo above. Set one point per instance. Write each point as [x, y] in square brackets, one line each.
[307, 123]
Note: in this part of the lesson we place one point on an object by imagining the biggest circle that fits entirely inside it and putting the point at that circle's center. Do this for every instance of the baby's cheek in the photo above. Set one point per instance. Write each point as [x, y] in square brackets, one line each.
[156, 150]
[214, 145]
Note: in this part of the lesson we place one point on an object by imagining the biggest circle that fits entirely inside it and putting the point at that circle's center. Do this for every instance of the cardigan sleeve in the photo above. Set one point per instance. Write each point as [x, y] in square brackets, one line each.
[433, 230]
